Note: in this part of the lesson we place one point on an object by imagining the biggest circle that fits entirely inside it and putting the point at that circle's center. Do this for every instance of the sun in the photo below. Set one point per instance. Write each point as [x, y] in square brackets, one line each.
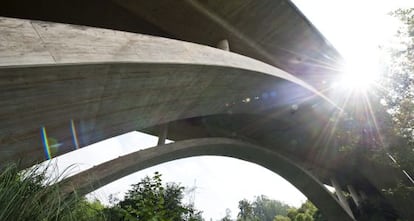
[358, 76]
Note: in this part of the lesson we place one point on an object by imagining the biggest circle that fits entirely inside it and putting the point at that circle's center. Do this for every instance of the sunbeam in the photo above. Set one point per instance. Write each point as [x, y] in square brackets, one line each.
[359, 77]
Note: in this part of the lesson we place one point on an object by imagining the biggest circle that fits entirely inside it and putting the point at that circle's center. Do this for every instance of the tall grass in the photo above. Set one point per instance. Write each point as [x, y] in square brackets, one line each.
[32, 195]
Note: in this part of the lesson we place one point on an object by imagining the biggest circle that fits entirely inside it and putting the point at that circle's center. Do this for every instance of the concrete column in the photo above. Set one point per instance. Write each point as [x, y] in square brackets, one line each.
[363, 195]
[354, 195]
[163, 134]
[341, 197]
[223, 45]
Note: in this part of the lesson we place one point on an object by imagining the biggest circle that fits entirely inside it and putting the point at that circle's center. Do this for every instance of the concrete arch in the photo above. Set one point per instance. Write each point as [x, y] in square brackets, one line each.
[308, 184]
[108, 82]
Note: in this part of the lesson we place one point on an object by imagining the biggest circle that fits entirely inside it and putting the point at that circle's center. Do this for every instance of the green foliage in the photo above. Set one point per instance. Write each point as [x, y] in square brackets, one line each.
[116, 213]
[382, 127]
[150, 200]
[246, 210]
[30, 195]
[307, 208]
[264, 208]
[306, 212]
[398, 81]
[391, 110]
[291, 213]
[399, 77]
[303, 217]
[85, 210]
[281, 218]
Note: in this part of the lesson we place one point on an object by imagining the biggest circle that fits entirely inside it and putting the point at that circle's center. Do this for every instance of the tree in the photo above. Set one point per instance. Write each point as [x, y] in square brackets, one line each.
[150, 200]
[266, 209]
[306, 212]
[307, 208]
[262, 208]
[303, 217]
[291, 213]
[281, 218]
[85, 210]
[398, 79]
[227, 217]
[380, 130]
[398, 84]
[246, 210]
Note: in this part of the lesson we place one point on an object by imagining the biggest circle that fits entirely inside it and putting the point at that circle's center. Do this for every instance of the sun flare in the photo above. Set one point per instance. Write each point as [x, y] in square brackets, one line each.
[358, 77]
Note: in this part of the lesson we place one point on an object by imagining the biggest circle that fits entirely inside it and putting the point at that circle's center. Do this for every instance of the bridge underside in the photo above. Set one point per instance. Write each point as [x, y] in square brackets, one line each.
[106, 83]
[273, 31]
[64, 87]
[60, 93]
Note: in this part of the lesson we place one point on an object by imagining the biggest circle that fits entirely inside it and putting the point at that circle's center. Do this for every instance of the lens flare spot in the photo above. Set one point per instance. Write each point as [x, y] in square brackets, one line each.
[45, 141]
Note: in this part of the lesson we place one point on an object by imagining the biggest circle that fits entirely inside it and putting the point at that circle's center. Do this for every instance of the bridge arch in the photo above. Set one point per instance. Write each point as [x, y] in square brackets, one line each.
[115, 169]
[104, 83]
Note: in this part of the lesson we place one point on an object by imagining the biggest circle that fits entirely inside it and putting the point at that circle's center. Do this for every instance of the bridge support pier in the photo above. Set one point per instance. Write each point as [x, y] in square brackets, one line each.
[163, 134]
[341, 197]
[223, 45]
[354, 195]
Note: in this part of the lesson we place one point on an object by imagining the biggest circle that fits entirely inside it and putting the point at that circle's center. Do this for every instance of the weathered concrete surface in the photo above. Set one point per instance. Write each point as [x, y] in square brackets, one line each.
[107, 83]
[27, 42]
[273, 31]
[309, 185]
[110, 82]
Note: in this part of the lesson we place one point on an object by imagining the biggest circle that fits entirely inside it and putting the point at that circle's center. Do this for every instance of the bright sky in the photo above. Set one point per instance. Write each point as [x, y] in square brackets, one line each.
[221, 181]
[354, 27]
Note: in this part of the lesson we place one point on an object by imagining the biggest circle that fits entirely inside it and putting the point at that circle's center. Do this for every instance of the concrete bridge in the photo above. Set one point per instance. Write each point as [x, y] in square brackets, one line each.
[67, 86]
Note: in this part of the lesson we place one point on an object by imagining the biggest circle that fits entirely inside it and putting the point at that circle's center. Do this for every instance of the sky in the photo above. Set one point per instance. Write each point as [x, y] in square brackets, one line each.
[355, 27]
[220, 181]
